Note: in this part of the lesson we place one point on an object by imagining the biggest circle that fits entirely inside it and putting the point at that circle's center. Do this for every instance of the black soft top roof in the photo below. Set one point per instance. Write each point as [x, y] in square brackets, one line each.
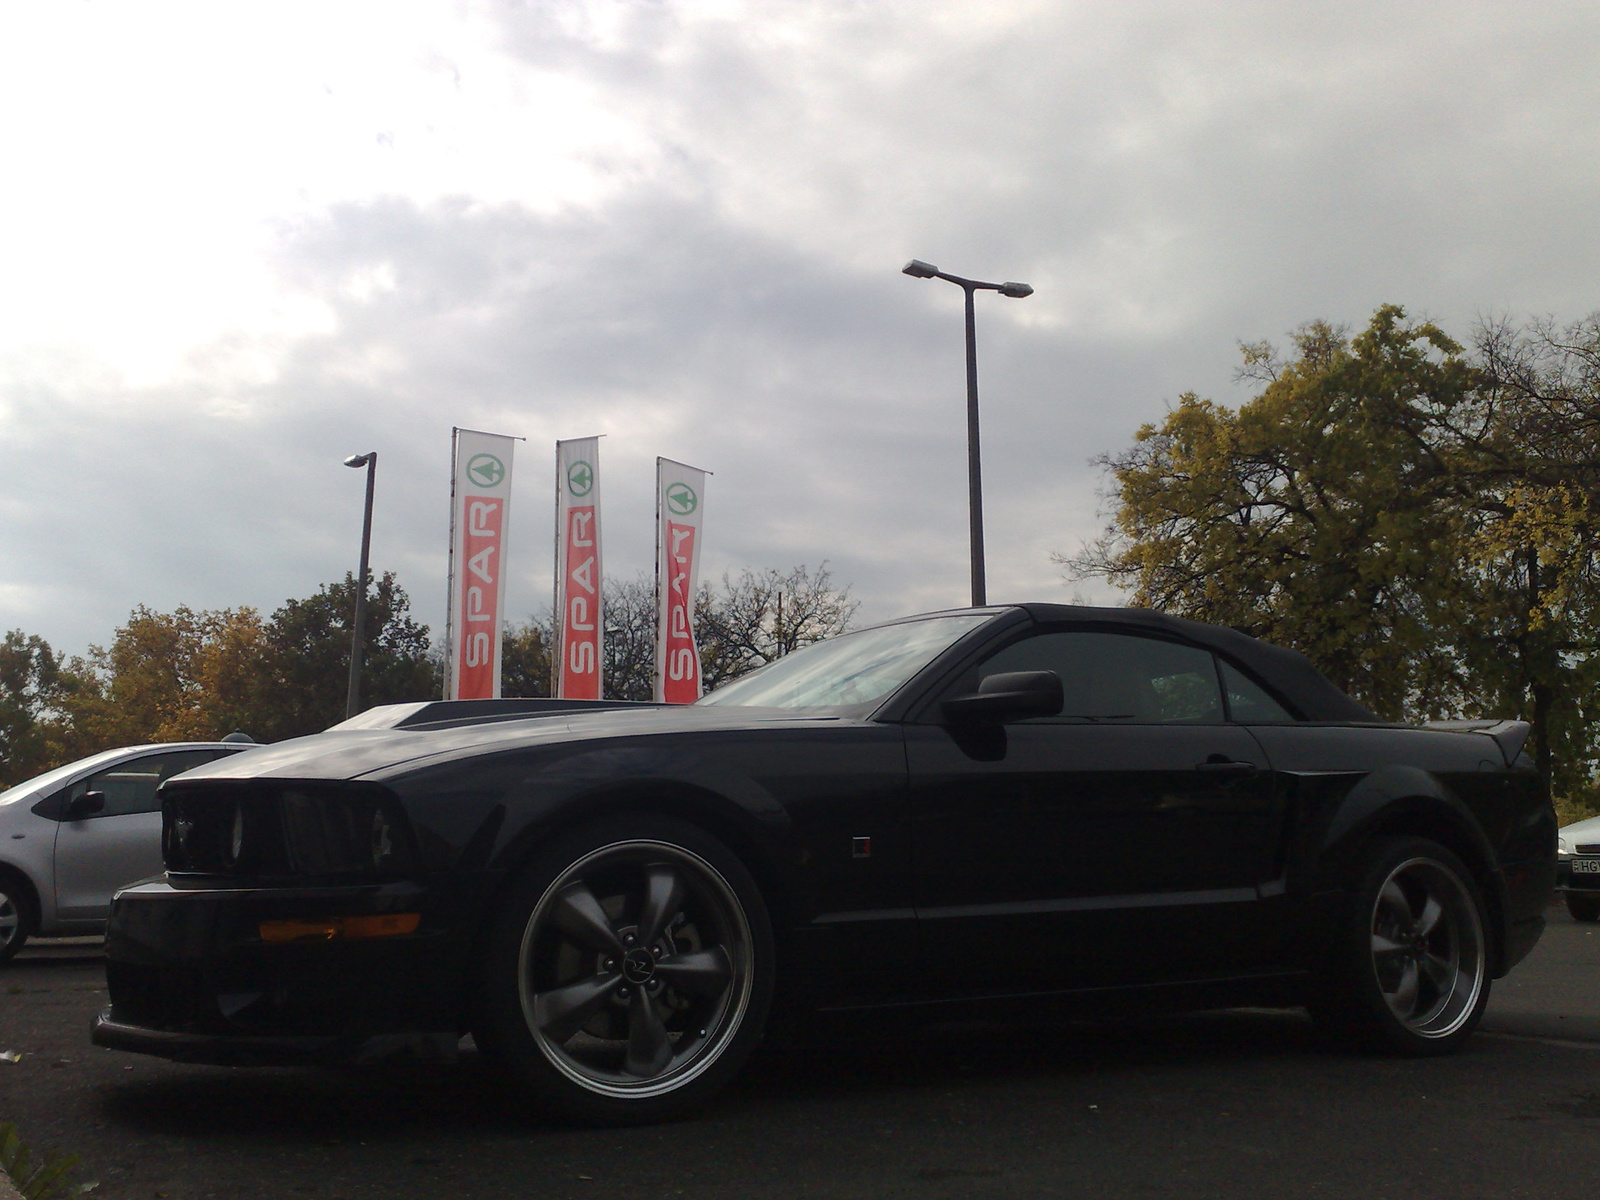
[1287, 672]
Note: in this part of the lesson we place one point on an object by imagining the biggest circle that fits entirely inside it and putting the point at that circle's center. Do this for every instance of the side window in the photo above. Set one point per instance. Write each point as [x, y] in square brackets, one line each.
[1120, 677]
[130, 787]
[1248, 702]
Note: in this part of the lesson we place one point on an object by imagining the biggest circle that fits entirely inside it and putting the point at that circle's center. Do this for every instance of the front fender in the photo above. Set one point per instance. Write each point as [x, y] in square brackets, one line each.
[480, 813]
[587, 784]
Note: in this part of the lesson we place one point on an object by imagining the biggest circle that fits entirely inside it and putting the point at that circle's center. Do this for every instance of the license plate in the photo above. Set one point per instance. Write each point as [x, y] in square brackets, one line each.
[1586, 866]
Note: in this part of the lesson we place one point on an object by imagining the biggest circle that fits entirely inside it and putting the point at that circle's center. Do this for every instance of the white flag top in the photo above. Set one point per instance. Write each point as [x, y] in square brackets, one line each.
[680, 508]
[580, 623]
[480, 497]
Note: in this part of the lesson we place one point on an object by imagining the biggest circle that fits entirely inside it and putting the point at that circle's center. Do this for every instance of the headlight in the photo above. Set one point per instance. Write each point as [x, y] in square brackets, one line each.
[1563, 849]
[382, 839]
[266, 831]
[339, 833]
[220, 833]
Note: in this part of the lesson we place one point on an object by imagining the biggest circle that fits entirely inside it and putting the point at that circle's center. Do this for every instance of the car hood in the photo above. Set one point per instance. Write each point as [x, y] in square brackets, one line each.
[1580, 831]
[348, 754]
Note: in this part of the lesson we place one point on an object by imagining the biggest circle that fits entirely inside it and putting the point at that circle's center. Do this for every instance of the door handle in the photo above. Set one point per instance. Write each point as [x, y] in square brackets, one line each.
[1226, 768]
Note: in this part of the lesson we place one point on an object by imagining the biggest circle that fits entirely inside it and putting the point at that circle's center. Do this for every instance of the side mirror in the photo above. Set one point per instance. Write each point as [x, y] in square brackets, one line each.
[1009, 697]
[86, 805]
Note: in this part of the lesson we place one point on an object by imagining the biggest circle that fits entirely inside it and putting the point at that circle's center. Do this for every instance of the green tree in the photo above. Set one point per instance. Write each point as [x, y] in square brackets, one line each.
[525, 660]
[1534, 622]
[30, 677]
[308, 657]
[1312, 515]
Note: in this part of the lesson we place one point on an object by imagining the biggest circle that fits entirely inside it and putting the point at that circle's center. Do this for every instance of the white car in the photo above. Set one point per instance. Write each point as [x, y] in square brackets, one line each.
[1578, 868]
[71, 837]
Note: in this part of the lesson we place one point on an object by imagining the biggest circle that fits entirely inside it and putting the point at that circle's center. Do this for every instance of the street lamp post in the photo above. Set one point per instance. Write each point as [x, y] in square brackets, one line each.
[922, 270]
[352, 700]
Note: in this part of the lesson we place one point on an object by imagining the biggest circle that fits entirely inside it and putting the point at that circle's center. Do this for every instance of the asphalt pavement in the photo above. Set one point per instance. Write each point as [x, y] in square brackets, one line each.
[1239, 1104]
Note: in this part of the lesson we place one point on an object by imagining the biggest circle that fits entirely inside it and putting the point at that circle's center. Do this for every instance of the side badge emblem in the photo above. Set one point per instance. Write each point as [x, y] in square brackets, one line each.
[860, 847]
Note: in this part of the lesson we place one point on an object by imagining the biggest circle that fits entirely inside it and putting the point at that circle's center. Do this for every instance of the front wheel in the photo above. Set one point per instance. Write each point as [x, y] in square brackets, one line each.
[1583, 908]
[16, 915]
[1409, 972]
[630, 972]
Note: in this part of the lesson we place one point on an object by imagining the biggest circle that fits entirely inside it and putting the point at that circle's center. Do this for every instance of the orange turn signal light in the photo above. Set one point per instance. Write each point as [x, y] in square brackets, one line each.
[335, 928]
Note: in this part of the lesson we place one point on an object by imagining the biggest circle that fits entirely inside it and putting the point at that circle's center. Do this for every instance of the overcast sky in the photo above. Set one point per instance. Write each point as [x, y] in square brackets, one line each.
[241, 241]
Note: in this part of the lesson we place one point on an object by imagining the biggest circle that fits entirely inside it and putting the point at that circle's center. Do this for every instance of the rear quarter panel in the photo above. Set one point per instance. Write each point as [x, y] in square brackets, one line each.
[1344, 785]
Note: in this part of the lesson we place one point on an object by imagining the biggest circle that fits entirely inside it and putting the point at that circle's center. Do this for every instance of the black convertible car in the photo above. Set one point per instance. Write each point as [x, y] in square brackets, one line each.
[1094, 807]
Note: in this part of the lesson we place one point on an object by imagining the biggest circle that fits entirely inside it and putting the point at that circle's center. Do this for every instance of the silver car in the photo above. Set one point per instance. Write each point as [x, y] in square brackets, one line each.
[1578, 868]
[71, 837]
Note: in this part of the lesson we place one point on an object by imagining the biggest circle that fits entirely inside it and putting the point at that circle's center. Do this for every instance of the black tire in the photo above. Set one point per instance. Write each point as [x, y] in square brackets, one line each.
[1408, 972]
[17, 918]
[1583, 908]
[629, 973]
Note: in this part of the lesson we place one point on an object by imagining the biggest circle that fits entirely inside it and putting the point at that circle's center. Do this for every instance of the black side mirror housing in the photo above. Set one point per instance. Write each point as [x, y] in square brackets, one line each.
[1011, 696]
[86, 805]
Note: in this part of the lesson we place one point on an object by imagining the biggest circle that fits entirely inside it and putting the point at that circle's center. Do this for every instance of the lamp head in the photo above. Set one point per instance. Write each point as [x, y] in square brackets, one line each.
[1015, 290]
[919, 269]
[360, 460]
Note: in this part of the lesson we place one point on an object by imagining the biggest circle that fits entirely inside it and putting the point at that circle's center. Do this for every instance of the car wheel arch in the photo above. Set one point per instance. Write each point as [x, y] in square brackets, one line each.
[1435, 815]
[716, 815]
[29, 889]
[16, 883]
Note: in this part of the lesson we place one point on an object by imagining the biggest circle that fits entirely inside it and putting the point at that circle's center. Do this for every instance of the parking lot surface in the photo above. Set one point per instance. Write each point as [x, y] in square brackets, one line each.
[1234, 1104]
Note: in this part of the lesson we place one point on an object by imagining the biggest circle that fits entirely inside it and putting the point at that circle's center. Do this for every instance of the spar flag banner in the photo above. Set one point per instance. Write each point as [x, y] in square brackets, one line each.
[582, 624]
[680, 510]
[480, 496]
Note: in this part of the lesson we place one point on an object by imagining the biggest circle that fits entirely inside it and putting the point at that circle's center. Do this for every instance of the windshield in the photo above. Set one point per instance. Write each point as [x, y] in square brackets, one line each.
[852, 671]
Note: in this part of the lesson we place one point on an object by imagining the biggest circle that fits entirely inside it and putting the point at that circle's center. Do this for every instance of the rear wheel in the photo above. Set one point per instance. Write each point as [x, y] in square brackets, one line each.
[16, 915]
[1583, 908]
[630, 973]
[1409, 972]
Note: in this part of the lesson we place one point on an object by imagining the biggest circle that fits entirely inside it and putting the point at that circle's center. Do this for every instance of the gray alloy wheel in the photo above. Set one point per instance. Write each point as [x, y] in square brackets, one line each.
[1412, 972]
[14, 923]
[632, 981]
[1583, 908]
[1427, 947]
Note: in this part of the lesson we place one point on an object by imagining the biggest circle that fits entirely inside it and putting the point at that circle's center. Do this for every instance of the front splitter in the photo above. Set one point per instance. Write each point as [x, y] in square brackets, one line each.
[246, 1050]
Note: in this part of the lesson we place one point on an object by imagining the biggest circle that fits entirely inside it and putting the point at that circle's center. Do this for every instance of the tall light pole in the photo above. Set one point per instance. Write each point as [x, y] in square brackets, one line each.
[921, 270]
[352, 701]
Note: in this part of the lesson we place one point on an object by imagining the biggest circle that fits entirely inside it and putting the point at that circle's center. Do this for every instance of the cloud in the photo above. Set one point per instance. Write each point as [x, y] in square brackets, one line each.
[680, 225]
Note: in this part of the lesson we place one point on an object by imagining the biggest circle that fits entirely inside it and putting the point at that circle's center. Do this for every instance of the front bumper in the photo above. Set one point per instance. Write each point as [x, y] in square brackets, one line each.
[1567, 880]
[191, 978]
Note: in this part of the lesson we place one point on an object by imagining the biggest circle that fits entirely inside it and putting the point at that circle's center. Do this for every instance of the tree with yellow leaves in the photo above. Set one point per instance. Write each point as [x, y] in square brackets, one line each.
[1419, 521]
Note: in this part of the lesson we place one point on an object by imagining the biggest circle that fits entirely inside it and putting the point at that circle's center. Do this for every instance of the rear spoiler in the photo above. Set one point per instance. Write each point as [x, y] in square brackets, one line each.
[1510, 736]
[447, 714]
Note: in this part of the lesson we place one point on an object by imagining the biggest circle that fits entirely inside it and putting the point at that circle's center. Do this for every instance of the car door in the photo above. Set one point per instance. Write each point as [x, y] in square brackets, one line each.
[1120, 841]
[97, 854]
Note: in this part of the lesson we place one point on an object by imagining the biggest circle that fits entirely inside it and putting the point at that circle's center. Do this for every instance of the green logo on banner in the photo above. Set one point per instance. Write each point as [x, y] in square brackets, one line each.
[580, 478]
[485, 470]
[681, 500]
